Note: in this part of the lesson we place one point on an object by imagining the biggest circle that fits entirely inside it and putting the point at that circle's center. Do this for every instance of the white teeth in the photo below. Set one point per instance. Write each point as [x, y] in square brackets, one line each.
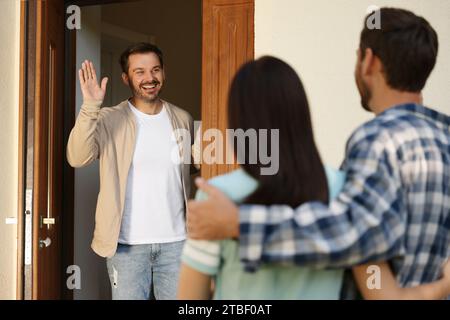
[149, 87]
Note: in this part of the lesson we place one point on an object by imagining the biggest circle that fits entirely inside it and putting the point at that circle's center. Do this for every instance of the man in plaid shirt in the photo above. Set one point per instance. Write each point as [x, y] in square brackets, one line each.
[395, 204]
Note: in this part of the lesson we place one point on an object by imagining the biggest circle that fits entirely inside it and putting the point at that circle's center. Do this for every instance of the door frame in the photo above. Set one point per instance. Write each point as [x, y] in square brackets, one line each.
[26, 168]
[29, 135]
[24, 74]
[27, 79]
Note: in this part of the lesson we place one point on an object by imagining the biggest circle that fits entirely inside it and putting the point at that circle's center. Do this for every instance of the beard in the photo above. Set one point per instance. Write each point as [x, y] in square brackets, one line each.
[364, 92]
[141, 95]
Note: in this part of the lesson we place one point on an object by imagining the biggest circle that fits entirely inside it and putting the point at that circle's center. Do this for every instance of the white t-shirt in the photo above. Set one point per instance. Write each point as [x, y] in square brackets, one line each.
[154, 202]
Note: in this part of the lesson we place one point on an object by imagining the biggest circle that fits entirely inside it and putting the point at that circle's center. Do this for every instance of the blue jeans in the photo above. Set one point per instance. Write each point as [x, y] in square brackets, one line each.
[143, 272]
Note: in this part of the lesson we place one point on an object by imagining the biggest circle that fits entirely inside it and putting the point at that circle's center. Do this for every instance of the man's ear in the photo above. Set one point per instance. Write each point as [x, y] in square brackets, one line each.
[367, 62]
[125, 79]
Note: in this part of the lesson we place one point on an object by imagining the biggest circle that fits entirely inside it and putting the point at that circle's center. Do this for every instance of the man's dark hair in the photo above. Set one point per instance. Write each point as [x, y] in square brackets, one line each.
[141, 47]
[268, 94]
[407, 46]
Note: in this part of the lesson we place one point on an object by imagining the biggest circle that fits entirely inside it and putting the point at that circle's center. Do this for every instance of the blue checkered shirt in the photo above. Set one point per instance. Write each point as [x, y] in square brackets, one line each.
[394, 206]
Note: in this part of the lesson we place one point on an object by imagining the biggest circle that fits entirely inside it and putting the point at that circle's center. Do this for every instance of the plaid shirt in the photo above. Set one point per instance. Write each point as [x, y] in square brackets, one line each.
[394, 206]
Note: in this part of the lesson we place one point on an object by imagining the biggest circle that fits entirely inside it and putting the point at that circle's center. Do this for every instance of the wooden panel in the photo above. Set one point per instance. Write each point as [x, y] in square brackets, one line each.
[38, 146]
[21, 155]
[28, 129]
[228, 42]
[48, 159]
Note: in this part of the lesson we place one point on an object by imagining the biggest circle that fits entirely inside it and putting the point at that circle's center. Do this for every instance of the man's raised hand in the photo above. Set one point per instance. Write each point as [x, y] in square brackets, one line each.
[89, 84]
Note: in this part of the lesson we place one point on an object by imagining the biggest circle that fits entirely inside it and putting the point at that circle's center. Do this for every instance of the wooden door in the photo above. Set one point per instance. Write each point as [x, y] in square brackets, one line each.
[48, 152]
[228, 42]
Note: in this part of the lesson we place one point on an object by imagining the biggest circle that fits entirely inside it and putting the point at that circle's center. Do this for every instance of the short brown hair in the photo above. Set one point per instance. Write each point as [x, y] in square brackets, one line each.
[141, 47]
[406, 44]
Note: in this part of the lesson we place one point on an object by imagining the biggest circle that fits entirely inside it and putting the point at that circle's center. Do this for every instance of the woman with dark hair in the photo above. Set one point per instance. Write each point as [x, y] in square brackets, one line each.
[267, 94]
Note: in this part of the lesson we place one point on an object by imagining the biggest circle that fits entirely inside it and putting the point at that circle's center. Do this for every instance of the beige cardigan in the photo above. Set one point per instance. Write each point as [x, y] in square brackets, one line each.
[109, 134]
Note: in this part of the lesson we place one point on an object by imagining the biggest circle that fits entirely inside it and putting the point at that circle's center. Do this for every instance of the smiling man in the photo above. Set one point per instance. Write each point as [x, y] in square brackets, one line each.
[144, 184]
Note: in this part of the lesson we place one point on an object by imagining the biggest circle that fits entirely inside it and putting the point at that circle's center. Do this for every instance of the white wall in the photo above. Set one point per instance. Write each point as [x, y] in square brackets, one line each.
[94, 276]
[319, 39]
[9, 122]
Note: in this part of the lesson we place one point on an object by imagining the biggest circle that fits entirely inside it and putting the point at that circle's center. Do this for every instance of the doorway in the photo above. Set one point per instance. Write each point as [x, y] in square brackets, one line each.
[107, 30]
[204, 43]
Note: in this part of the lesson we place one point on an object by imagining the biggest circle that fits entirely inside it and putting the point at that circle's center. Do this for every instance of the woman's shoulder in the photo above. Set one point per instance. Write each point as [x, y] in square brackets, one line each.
[237, 185]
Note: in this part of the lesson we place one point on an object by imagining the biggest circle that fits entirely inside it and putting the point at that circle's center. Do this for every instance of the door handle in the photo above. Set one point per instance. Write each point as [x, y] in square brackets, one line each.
[45, 243]
[47, 221]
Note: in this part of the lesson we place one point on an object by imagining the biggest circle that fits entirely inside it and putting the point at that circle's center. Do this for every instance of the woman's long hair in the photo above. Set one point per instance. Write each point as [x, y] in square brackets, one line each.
[268, 94]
